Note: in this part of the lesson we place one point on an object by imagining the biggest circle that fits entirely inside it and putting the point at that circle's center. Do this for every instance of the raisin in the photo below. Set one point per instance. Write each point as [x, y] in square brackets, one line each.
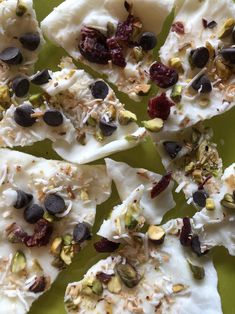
[42, 233]
[125, 29]
[106, 246]
[161, 185]
[93, 46]
[186, 232]
[160, 107]
[162, 75]
[116, 52]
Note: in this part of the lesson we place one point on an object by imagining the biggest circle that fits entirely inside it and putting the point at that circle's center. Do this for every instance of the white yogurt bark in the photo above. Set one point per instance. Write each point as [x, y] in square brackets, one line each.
[16, 19]
[195, 106]
[25, 276]
[216, 227]
[193, 159]
[64, 24]
[79, 137]
[159, 281]
[136, 184]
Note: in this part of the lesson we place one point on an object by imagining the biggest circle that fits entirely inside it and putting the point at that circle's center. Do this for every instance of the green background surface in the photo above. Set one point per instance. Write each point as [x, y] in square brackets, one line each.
[146, 156]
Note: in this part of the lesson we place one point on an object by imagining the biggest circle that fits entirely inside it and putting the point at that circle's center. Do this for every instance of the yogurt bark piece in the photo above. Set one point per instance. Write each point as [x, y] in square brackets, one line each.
[199, 49]
[108, 36]
[47, 211]
[20, 43]
[148, 278]
[215, 224]
[194, 161]
[137, 186]
[82, 116]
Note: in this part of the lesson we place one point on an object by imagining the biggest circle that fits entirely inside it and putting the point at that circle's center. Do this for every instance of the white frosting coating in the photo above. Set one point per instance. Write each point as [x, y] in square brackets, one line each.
[39, 177]
[161, 268]
[192, 108]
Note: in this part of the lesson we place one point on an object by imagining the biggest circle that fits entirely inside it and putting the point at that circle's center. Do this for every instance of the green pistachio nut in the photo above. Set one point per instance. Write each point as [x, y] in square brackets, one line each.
[125, 117]
[138, 53]
[128, 275]
[227, 28]
[114, 285]
[56, 246]
[154, 125]
[67, 239]
[156, 234]
[18, 262]
[176, 94]
[198, 271]
[5, 98]
[99, 136]
[97, 287]
[36, 100]
[228, 201]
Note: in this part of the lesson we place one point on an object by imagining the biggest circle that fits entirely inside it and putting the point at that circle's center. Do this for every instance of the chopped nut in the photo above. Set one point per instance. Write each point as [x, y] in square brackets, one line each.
[114, 285]
[228, 201]
[97, 287]
[176, 64]
[48, 217]
[176, 93]
[222, 70]
[198, 271]
[142, 89]
[156, 234]
[111, 113]
[178, 288]
[87, 290]
[189, 168]
[138, 53]
[5, 98]
[125, 117]
[66, 254]
[56, 246]
[91, 121]
[210, 204]
[154, 125]
[18, 262]
[67, 239]
[21, 8]
[227, 28]
[99, 136]
[197, 175]
[128, 275]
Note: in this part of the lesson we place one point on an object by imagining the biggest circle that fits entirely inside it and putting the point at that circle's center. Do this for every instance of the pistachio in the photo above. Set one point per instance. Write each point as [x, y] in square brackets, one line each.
[227, 28]
[36, 100]
[130, 221]
[81, 138]
[197, 175]
[67, 253]
[189, 167]
[99, 136]
[211, 49]
[87, 290]
[156, 234]
[176, 93]
[114, 285]
[58, 263]
[56, 246]
[48, 217]
[110, 29]
[128, 275]
[131, 138]
[91, 121]
[67, 239]
[138, 53]
[198, 271]
[111, 113]
[210, 204]
[178, 288]
[154, 125]
[222, 70]
[125, 117]
[5, 98]
[21, 8]
[176, 64]
[97, 287]
[228, 201]
[18, 262]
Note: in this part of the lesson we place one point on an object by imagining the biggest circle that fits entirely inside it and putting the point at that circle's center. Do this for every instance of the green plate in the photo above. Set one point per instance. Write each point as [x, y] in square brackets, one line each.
[143, 156]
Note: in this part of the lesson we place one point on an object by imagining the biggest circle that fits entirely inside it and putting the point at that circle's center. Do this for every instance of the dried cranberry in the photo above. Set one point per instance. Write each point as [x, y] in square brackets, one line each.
[160, 107]
[125, 29]
[103, 277]
[162, 75]
[106, 246]
[186, 232]
[161, 185]
[178, 27]
[116, 52]
[42, 233]
[93, 46]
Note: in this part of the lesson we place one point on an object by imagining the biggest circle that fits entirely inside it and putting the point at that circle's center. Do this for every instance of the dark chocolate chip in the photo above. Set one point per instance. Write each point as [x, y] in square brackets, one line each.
[99, 90]
[20, 86]
[200, 57]
[11, 56]
[23, 199]
[148, 41]
[196, 245]
[53, 117]
[81, 233]
[30, 41]
[172, 148]
[202, 84]
[107, 128]
[41, 77]
[199, 198]
[229, 54]
[33, 213]
[22, 116]
[233, 34]
[54, 204]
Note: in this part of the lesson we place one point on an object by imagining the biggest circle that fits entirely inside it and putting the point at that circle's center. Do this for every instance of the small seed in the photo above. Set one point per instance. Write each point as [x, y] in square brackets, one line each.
[228, 54]
[148, 41]
[202, 84]
[53, 118]
[199, 197]
[18, 262]
[200, 57]
[33, 213]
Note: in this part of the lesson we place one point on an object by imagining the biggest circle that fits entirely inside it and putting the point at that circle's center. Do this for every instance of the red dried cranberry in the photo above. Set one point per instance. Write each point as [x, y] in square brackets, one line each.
[178, 27]
[161, 185]
[103, 277]
[186, 232]
[162, 75]
[42, 233]
[116, 52]
[160, 107]
[125, 29]
[106, 246]
[93, 46]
